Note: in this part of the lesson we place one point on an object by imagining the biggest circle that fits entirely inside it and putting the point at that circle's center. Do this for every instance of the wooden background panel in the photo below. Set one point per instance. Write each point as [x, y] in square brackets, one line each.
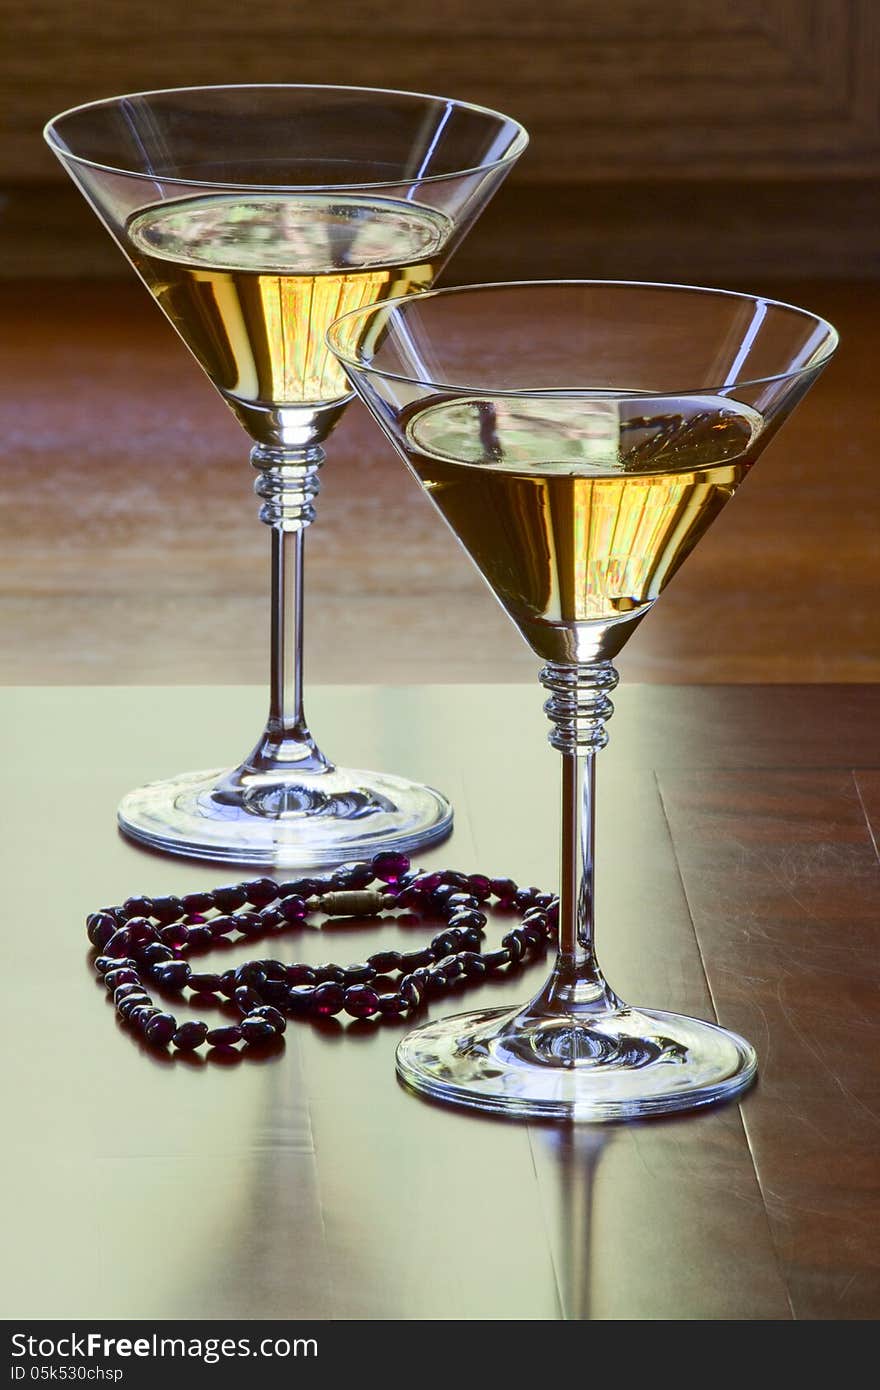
[610, 91]
[688, 140]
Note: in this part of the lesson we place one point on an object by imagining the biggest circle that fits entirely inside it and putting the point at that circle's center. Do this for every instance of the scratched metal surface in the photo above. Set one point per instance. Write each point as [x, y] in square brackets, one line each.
[738, 877]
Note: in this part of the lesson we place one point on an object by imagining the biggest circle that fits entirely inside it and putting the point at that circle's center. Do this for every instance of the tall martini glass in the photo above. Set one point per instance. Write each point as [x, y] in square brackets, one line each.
[578, 478]
[256, 215]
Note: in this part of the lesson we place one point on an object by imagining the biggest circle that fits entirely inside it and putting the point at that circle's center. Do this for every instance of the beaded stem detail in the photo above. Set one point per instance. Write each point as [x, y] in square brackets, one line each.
[288, 484]
[145, 939]
[579, 705]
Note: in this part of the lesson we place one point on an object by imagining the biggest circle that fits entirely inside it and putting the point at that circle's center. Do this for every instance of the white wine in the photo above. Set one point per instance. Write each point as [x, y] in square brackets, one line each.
[578, 511]
[252, 283]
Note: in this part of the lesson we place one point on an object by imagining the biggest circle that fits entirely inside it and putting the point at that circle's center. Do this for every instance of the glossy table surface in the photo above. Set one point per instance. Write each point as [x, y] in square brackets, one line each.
[738, 878]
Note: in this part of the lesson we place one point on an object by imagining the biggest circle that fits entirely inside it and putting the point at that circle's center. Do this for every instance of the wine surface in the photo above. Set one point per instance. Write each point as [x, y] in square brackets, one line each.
[578, 511]
[252, 283]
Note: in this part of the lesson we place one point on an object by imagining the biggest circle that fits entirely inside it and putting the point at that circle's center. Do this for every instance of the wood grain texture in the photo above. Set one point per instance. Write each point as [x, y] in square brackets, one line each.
[130, 550]
[783, 885]
[310, 1183]
[767, 87]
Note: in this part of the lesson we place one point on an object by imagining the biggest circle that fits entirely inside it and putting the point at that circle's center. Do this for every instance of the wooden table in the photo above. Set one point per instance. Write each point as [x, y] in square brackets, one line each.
[738, 878]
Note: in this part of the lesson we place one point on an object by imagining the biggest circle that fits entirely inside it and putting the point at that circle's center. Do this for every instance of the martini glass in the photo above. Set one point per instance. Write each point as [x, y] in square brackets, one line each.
[578, 478]
[256, 215]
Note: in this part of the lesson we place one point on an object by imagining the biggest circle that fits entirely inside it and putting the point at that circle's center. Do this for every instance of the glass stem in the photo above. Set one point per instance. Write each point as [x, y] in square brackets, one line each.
[288, 484]
[578, 707]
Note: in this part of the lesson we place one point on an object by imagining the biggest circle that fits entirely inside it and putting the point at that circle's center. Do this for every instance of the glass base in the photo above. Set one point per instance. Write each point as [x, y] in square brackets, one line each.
[295, 821]
[618, 1065]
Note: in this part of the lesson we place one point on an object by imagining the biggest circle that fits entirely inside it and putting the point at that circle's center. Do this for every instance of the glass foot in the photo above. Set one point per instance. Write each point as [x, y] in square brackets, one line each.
[618, 1065]
[298, 821]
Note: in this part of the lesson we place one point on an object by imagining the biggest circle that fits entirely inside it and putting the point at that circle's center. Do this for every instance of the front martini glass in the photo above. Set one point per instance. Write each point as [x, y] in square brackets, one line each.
[578, 479]
[256, 215]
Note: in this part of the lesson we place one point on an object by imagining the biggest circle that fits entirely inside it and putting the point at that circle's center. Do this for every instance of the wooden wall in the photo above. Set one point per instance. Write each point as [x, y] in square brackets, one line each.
[689, 137]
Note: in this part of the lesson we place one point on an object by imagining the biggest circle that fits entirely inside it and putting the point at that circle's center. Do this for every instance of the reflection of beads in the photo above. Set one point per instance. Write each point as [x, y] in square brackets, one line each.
[146, 938]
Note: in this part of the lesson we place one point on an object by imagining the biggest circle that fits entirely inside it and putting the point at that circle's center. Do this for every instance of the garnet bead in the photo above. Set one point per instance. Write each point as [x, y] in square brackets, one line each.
[260, 891]
[271, 918]
[459, 901]
[226, 1036]
[411, 897]
[256, 1030]
[504, 889]
[384, 960]
[138, 907]
[251, 973]
[122, 991]
[391, 1004]
[105, 963]
[427, 882]
[199, 938]
[468, 917]
[358, 975]
[190, 1036]
[525, 898]
[329, 973]
[250, 923]
[390, 867]
[198, 902]
[161, 1029]
[141, 932]
[174, 935]
[480, 886]
[515, 945]
[167, 909]
[328, 999]
[300, 975]
[411, 960]
[292, 908]
[273, 969]
[271, 1015]
[495, 958]
[155, 952]
[140, 1017]
[229, 898]
[218, 926]
[474, 965]
[274, 991]
[173, 974]
[100, 927]
[301, 887]
[439, 896]
[411, 992]
[118, 944]
[354, 875]
[361, 1001]
[132, 1001]
[203, 982]
[299, 999]
[247, 998]
[125, 975]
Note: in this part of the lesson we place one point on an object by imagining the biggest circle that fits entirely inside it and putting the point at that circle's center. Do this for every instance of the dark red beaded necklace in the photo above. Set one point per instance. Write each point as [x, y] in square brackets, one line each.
[145, 939]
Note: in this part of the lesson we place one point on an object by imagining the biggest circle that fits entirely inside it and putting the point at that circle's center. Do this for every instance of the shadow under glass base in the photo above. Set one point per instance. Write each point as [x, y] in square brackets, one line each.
[619, 1065]
[296, 821]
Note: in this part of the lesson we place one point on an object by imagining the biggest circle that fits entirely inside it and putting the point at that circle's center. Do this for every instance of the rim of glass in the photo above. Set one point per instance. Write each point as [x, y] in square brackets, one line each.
[520, 141]
[359, 364]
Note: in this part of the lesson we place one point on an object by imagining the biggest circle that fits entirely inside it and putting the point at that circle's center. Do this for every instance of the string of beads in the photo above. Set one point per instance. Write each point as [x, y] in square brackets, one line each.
[146, 940]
